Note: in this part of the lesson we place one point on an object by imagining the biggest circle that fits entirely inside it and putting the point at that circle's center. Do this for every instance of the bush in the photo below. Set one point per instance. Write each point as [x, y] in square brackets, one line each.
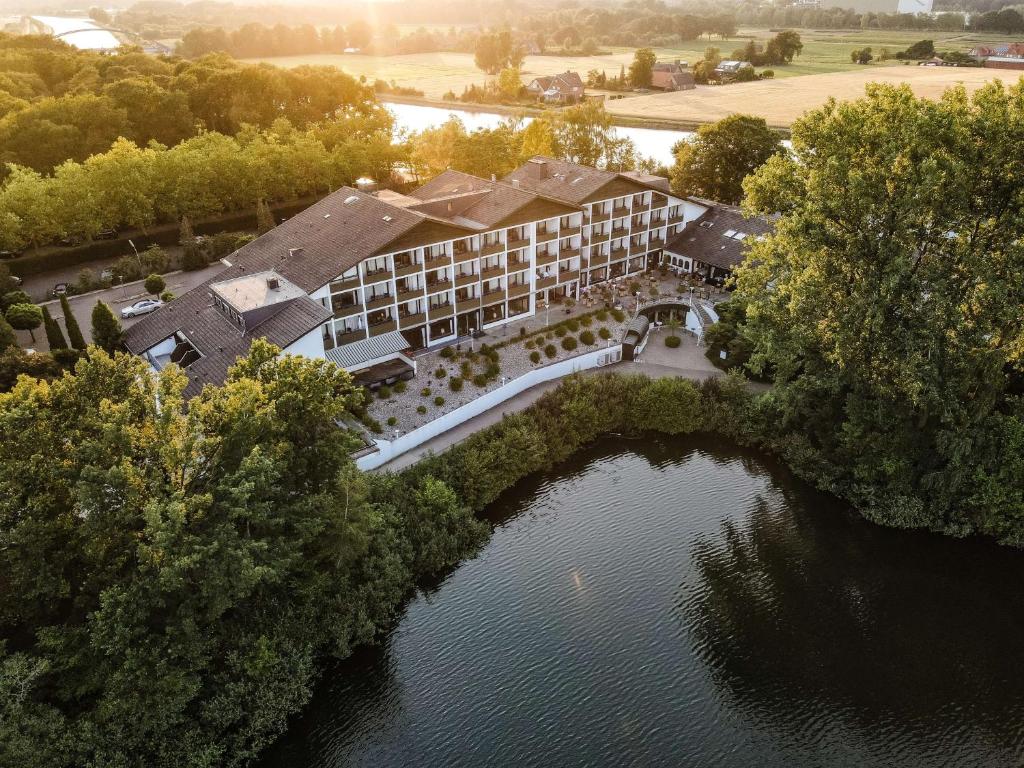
[455, 383]
[572, 324]
[586, 321]
[425, 392]
[604, 333]
[522, 331]
[569, 343]
[550, 350]
[492, 371]
[440, 372]
[373, 425]
[587, 337]
[560, 331]
[549, 335]
[535, 357]
[528, 344]
[480, 380]
[448, 353]
[400, 387]
[392, 421]
[384, 392]
[466, 369]
[421, 409]
[438, 401]
[601, 315]
[672, 342]
[619, 315]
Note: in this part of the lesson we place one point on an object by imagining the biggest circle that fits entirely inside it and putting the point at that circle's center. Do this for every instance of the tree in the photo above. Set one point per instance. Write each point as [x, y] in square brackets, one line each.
[783, 47]
[186, 236]
[7, 282]
[861, 56]
[264, 218]
[155, 284]
[642, 68]
[54, 335]
[714, 163]
[922, 49]
[107, 333]
[510, 83]
[14, 297]
[888, 300]
[75, 337]
[25, 317]
[7, 337]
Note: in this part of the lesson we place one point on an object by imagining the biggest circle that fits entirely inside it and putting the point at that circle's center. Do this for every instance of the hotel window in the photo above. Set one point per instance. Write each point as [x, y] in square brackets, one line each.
[440, 300]
[341, 302]
[377, 291]
[519, 278]
[375, 266]
[378, 316]
[519, 306]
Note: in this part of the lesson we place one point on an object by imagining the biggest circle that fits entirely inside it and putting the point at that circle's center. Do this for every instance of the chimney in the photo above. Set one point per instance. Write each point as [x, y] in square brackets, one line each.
[538, 169]
[494, 177]
[273, 283]
[515, 183]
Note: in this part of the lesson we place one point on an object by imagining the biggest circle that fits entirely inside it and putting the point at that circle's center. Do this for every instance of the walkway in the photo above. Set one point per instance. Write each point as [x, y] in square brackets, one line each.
[657, 361]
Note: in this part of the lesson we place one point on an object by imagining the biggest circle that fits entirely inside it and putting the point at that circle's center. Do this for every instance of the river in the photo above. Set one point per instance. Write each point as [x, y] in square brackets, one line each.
[687, 603]
[414, 117]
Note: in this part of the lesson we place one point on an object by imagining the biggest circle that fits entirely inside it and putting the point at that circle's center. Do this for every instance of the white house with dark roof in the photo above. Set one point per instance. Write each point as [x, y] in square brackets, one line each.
[363, 280]
[716, 242]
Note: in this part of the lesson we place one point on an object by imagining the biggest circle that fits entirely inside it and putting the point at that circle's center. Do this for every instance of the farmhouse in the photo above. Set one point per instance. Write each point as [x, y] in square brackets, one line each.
[361, 280]
[566, 88]
[672, 76]
[727, 70]
[714, 244]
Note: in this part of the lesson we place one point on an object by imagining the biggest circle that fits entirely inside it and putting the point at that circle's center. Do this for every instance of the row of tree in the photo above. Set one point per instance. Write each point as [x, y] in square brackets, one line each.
[59, 103]
[254, 39]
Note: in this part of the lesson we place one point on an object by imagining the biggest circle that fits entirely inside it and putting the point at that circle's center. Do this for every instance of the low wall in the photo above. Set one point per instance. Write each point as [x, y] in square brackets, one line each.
[392, 449]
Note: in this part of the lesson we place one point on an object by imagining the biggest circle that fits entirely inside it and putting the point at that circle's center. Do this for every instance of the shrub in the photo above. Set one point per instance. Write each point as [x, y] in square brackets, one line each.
[480, 380]
[448, 353]
[601, 315]
[569, 343]
[440, 372]
[421, 409]
[535, 357]
[425, 392]
[400, 387]
[492, 371]
[384, 392]
[672, 341]
[604, 333]
[549, 335]
[572, 324]
[466, 369]
[619, 315]
[522, 331]
[550, 350]
[438, 401]
[528, 344]
[587, 337]
[586, 321]
[373, 425]
[455, 383]
[654, 290]
[560, 331]
[392, 421]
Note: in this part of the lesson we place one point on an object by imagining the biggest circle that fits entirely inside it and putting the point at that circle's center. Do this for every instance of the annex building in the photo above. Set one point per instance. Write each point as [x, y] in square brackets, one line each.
[364, 279]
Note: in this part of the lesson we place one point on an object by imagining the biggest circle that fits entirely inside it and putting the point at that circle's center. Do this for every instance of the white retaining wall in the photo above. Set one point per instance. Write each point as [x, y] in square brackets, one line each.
[391, 449]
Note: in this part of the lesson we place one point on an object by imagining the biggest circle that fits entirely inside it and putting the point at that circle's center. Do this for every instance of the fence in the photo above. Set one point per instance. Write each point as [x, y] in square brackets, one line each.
[392, 449]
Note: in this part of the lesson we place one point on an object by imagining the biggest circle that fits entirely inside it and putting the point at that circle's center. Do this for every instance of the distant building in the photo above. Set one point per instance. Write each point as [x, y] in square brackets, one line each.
[1005, 56]
[726, 70]
[566, 88]
[82, 33]
[672, 76]
[880, 6]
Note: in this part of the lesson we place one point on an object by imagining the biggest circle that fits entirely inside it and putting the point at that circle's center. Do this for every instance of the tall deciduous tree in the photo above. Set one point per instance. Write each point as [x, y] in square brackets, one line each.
[642, 68]
[715, 161]
[889, 300]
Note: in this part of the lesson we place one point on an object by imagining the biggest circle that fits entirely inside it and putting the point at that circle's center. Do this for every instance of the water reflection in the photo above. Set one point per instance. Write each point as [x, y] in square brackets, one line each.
[687, 603]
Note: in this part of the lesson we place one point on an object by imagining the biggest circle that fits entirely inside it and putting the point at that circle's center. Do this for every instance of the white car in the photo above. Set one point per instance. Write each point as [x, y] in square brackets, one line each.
[143, 307]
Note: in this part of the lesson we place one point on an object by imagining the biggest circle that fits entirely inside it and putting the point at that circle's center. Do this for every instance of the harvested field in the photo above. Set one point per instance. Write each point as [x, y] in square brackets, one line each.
[780, 102]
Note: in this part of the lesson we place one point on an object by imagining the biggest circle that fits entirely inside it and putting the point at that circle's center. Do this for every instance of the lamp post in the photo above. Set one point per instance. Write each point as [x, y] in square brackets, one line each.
[138, 260]
[546, 305]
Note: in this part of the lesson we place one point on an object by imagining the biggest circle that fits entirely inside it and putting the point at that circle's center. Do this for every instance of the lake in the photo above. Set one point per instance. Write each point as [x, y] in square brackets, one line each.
[684, 602]
[414, 117]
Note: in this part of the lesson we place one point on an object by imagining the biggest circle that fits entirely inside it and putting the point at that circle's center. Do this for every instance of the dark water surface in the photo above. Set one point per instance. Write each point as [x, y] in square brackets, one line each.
[687, 603]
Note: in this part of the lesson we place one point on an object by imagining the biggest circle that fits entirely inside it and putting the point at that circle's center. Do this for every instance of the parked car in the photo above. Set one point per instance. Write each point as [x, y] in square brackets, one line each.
[16, 280]
[60, 289]
[143, 307]
[69, 242]
[106, 234]
[9, 254]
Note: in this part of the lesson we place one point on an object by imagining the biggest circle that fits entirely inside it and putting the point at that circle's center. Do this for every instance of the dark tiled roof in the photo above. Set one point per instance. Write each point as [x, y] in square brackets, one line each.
[704, 239]
[570, 182]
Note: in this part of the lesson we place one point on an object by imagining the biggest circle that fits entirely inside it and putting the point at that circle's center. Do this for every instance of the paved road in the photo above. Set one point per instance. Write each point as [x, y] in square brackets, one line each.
[177, 283]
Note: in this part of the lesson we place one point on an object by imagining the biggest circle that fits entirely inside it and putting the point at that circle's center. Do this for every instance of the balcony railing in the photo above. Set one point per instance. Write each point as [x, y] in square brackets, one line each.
[598, 259]
[544, 236]
[438, 260]
[345, 285]
[677, 219]
[597, 215]
[621, 212]
[492, 272]
[463, 280]
[350, 336]
[467, 255]
[597, 238]
[568, 253]
[375, 277]
[568, 274]
[410, 294]
[401, 270]
[519, 242]
[545, 258]
[438, 285]
[493, 297]
[640, 207]
[380, 301]
[489, 249]
[519, 265]
[568, 231]
[442, 311]
[348, 310]
[618, 253]
[546, 282]
[384, 326]
[518, 290]
[408, 321]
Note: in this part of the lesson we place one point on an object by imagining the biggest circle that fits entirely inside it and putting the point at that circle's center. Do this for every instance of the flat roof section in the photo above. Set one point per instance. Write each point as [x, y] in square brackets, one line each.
[255, 291]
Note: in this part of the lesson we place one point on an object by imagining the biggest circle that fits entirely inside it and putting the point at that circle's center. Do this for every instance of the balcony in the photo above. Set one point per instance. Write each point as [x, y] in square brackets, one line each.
[412, 268]
[351, 336]
[618, 253]
[677, 219]
[518, 290]
[596, 215]
[568, 274]
[491, 272]
[639, 207]
[433, 262]
[489, 249]
[568, 231]
[409, 295]
[439, 285]
[596, 238]
[620, 231]
[375, 277]
[621, 212]
[518, 266]
[348, 311]
[659, 201]
[345, 285]
[656, 241]
[385, 326]
[598, 259]
[568, 253]
[467, 255]
[519, 242]
[461, 305]
[494, 297]
[544, 236]
[408, 321]
[545, 258]
[468, 279]
[380, 301]
[441, 311]
[546, 282]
